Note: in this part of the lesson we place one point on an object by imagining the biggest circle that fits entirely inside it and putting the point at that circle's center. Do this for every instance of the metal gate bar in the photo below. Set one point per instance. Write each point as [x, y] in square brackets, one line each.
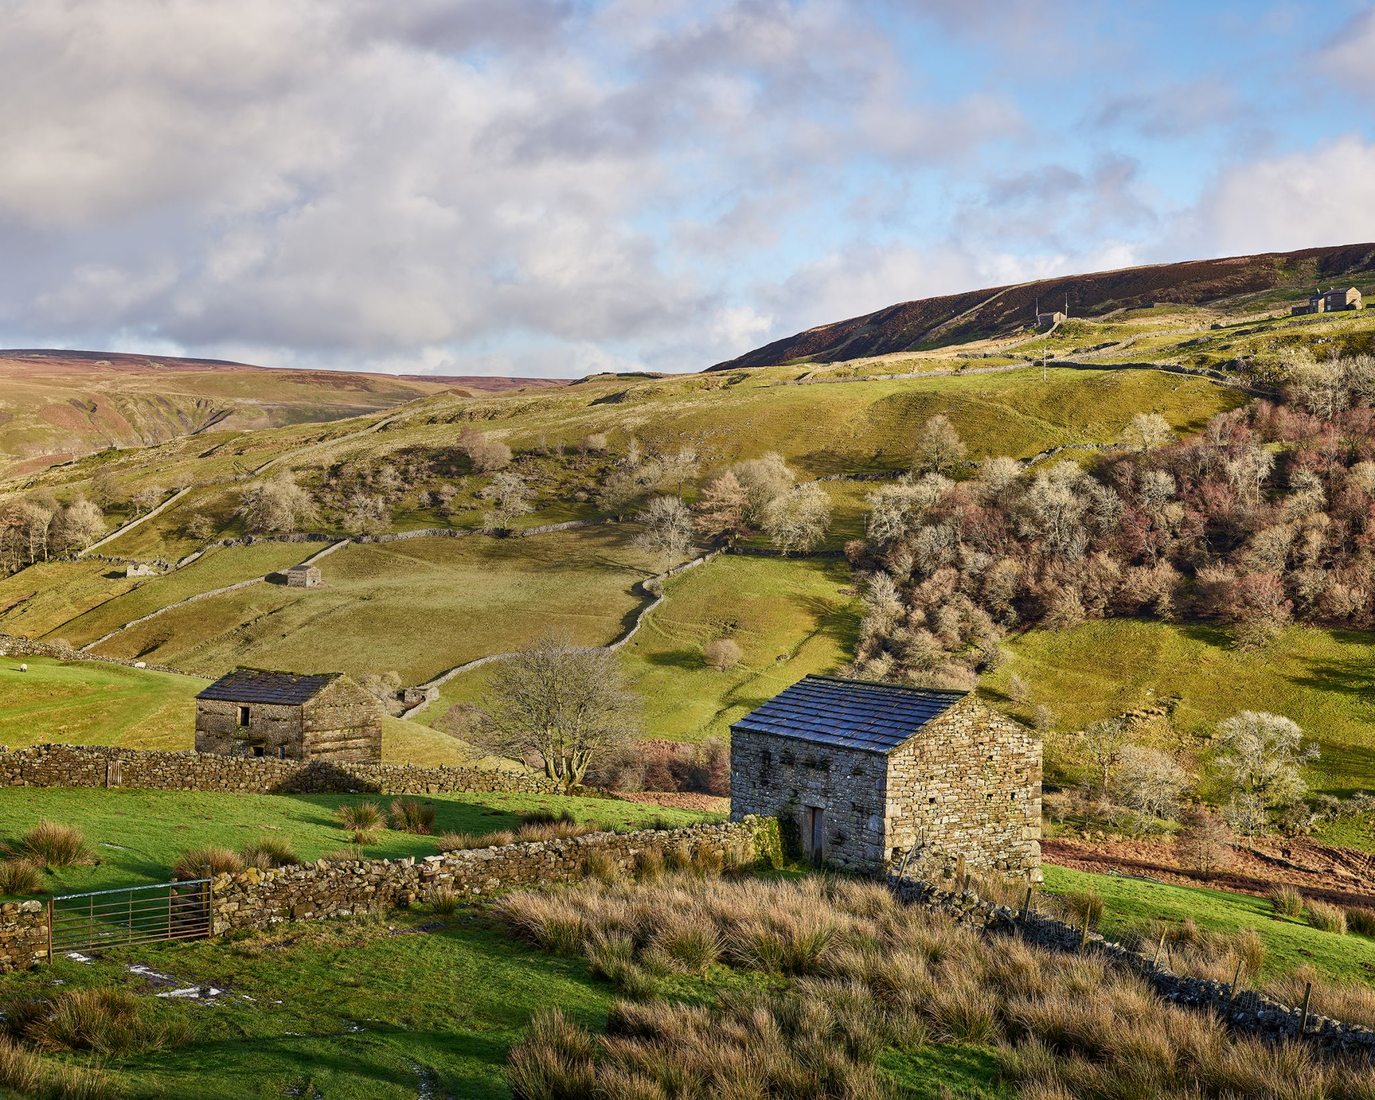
[129, 915]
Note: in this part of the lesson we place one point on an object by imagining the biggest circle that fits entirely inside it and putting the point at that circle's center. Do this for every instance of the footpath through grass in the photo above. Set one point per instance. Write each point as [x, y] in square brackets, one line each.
[137, 835]
[1132, 903]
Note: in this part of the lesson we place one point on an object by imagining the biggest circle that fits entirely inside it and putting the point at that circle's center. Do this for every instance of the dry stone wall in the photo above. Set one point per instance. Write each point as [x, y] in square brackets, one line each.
[102, 766]
[256, 899]
[1244, 1010]
[23, 935]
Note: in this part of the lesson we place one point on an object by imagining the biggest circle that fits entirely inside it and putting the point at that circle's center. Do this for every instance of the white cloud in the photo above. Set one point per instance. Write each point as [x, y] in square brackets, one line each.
[1322, 196]
[1349, 56]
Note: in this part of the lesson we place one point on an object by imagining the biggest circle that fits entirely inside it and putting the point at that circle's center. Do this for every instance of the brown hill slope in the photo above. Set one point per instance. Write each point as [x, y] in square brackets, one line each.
[58, 405]
[999, 311]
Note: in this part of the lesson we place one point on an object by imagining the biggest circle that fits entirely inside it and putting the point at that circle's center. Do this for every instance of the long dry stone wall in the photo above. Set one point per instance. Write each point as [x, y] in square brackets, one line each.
[256, 899]
[101, 766]
[1243, 1009]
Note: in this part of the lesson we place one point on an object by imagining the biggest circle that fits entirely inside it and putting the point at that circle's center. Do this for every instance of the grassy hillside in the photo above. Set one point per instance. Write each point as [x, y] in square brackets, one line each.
[958, 318]
[1322, 679]
[416, 607]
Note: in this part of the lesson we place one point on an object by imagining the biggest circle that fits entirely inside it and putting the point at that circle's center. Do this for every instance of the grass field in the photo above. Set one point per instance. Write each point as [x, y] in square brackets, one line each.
[138, 834]
[38, 600]
[416, 607]
[1131, 903]
[219, 567]
[1323, 679]
[789, 617]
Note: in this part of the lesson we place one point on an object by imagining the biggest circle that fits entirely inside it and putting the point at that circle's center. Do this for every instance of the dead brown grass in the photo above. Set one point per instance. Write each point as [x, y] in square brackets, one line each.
[854, 973]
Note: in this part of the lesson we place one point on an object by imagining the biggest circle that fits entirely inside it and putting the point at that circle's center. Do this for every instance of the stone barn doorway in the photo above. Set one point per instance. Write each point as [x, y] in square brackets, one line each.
[816, 834]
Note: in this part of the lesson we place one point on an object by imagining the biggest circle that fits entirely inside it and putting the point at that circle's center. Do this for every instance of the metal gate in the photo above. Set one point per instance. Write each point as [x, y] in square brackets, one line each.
[130, 915]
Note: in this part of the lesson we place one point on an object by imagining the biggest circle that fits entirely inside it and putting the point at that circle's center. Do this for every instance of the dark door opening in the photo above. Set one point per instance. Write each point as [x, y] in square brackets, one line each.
[816, 834]
[243, 717]
[257, 750]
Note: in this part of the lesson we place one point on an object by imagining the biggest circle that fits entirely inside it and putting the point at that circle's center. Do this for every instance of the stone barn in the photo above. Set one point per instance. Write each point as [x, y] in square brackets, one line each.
[304, 576]
[871, 776]
[251, 712]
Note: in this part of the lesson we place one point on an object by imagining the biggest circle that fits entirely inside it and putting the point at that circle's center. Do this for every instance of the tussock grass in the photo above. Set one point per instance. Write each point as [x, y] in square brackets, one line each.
[101, 1020]
[443, 901]
[865, 975]
[20, 876]
[410, 816]
[207, 863]
[1327, 917]
[361, 816]
[52, 844]
[1361, 921]
[1287, 901]
[269, 852]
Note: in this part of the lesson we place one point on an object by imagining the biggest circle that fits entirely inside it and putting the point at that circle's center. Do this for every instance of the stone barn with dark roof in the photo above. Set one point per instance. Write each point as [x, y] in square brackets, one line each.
[870, 776]
[252, 712]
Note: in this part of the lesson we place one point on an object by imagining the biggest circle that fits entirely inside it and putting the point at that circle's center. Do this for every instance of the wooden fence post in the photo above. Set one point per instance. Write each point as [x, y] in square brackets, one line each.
[1155, 959]
[960, 875]
[1232, 989]
[1026, 904]
[1084, 933]
[1307, 994]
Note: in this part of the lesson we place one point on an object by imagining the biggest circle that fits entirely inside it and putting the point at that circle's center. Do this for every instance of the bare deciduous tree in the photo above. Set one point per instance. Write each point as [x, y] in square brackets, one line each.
[797, 519]
[1259, 757]
[939, 449]
[510, 498]
[1147, 431]
[721, 654]
[1150, 783]
[276, 506]
[667, 529]
[722, 509]
[566, 705]
[483, 451]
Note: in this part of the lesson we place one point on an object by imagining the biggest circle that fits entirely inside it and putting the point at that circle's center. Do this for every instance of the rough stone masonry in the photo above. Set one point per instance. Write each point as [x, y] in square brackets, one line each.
[869, 776]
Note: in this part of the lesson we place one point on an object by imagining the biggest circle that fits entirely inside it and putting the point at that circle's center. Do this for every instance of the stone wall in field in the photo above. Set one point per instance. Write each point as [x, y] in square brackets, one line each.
[23, 935]
[103, 766]
[21, 648]
[256, 899]
[1243, 1009]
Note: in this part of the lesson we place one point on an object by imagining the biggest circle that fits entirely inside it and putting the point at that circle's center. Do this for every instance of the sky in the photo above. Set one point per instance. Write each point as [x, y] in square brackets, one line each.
[556, 187]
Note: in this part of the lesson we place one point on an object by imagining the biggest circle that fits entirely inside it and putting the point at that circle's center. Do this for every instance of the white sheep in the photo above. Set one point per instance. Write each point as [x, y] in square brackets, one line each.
[23, 668]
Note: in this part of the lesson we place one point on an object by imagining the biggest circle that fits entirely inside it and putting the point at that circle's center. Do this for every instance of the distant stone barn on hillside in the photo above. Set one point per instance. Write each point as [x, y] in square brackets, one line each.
[252, 712]
[304, 576]
[876, 776]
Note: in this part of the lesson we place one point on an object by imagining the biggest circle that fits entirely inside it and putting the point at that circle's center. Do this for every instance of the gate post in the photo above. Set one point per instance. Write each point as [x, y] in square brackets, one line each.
[50, 930]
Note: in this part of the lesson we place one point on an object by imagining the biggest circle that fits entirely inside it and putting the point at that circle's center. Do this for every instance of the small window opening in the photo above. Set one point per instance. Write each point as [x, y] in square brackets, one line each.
[243, 717]
[281, 752]
[257, 750]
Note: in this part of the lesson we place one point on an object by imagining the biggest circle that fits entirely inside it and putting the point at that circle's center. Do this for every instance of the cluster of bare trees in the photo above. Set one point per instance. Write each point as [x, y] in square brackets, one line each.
[37, 528]
[763, 494]
[1267, 516]
[1254, 765]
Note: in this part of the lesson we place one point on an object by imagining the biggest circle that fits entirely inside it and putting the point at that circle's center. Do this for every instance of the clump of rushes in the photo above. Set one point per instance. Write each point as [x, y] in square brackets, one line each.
[444, 901]
[1361, 921]
[1326, 917]
[207, 863]
[1287, 901]
[270, 852]
[51, 844]
[20, 876]
[410, 816]
[364, 816]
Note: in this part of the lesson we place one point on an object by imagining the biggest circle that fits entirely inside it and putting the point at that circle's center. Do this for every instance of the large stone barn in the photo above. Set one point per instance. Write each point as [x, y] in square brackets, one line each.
[251, 712]
[869, 776]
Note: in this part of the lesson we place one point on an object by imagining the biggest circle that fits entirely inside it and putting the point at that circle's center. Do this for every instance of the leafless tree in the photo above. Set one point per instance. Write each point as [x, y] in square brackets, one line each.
[276, 506]
[764, 479]
[667, 529]
[1147, 431]
[510, 496]
[722, 509]
[1150, 783]
[563, 704]
[939, 449]
[797, 519]
[722, 654]
[1259, 757]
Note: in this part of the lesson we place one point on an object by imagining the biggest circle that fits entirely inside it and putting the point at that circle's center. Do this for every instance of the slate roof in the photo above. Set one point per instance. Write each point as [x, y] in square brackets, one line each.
[255, 685]
[852, 714]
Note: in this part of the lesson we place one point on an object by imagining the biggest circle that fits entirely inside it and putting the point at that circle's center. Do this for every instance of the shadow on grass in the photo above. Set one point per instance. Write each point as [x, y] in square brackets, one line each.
[687, 659]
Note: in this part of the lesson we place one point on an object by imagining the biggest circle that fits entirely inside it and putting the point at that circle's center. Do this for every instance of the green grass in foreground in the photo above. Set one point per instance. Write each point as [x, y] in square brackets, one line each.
[1135, 902]
[138, 834]
[1323, 679]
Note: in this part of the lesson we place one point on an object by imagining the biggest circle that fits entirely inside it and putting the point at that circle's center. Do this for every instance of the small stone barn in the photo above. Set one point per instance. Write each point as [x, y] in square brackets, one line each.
[878, 776]
[303, 576]
[252, 712]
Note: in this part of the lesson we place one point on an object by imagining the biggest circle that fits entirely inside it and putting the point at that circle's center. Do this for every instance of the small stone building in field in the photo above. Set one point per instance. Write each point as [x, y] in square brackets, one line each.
[251, 712]
[304, 576]
[1330, 301]
[871, 776]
